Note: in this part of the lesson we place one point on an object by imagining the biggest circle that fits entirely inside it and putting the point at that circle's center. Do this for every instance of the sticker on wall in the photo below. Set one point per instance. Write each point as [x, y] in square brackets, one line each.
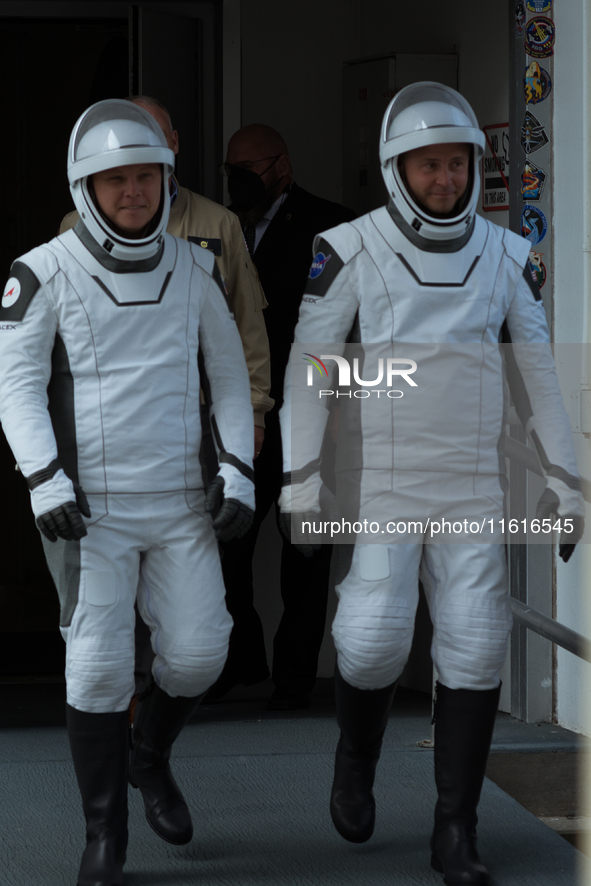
[539, 5]
[536, 84]
[538, 268]
[495, 167]
[540, 36]
[520, 17]
[533, 224]
[533, 134]
[533, 180]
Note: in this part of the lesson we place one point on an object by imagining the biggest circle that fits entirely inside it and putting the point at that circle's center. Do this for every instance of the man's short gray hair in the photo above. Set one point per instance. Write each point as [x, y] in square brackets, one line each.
[150, 102]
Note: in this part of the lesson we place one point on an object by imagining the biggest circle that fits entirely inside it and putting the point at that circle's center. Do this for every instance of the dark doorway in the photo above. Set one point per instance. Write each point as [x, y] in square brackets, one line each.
[51, 70]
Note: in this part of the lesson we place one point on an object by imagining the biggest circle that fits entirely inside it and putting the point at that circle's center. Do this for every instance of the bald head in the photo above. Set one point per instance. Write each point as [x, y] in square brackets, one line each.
[257, 140]
[260, 149]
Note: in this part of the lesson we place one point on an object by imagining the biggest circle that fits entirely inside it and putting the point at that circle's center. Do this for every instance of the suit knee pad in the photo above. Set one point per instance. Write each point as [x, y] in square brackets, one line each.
[372, 652]
[471, 659]
[99, 680]
[190, 668]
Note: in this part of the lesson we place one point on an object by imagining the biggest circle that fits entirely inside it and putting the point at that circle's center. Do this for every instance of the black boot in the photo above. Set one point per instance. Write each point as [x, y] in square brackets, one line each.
[362, 715]
[99, 750]
[464, 722]
[158, 722]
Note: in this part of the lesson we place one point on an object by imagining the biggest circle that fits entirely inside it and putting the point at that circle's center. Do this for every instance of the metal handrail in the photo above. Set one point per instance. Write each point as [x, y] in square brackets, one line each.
[550, 629]
[532, 619]
[516, 451]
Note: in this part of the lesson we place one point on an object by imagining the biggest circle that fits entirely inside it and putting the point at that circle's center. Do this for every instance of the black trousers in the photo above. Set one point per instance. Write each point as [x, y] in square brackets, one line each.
[304, 592]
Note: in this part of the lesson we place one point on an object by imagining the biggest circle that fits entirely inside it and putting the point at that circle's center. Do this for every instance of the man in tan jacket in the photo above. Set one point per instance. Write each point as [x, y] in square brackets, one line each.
[213, 227]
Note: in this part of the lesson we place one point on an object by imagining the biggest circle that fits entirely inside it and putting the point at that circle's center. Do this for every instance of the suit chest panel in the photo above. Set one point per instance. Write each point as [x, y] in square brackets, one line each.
[112, 321]
[397, 305]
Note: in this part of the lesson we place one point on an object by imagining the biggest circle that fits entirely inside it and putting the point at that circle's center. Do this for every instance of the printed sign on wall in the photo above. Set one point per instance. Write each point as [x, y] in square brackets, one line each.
[495, 168]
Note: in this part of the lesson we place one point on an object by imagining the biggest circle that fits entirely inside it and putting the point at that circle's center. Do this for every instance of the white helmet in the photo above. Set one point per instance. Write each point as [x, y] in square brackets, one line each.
[111, 133]
[421, 114]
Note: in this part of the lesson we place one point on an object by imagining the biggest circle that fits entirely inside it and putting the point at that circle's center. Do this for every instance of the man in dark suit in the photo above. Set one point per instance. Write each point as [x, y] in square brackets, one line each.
[279, 220]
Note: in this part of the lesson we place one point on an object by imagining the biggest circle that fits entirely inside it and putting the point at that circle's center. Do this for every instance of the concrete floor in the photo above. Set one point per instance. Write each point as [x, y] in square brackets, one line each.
[258, 783]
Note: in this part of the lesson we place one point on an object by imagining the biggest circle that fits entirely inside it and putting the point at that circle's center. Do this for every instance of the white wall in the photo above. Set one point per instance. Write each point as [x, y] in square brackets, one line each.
[292, 59]
[572, 247]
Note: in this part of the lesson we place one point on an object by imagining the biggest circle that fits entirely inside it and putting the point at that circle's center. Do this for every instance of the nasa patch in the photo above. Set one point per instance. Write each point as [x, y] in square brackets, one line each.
[12, 292]
[318, 265]
[533, 224]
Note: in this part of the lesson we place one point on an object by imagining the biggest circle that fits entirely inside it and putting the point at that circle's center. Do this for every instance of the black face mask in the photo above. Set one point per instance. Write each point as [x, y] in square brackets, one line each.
[246, 189]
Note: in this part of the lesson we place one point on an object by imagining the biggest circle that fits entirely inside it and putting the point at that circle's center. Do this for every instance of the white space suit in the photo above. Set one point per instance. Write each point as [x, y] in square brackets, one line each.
[100, 387]
[387, 286]
[392, 285]
[100, 331]
[434, 288]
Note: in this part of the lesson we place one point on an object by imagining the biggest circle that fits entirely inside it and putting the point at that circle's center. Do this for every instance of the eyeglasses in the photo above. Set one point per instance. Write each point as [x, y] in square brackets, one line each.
[227, 168]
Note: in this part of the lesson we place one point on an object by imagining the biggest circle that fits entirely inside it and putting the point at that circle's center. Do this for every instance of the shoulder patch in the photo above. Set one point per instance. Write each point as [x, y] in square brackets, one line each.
[214, 245]
[326, 264]
[348, 239]
[18, 292]
[318, 263]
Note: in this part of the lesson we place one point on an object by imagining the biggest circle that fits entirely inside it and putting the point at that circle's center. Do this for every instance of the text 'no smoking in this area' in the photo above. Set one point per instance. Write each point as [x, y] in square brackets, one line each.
[495, 168]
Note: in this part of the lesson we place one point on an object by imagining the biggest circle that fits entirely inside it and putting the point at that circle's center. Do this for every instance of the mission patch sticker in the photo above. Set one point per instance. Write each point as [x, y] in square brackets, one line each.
[519, 17]
[533, 180]
[533, 134]
[540, 36]
[537, 268]
[536, 84]
[539, 5]
[533, 224]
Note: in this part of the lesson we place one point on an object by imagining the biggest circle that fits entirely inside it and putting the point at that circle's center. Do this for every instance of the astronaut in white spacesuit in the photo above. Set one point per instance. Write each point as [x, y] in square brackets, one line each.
[100, 402]
[426, 270]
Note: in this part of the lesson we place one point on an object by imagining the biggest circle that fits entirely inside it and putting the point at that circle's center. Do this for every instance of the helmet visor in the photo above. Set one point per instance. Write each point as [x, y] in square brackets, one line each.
[113, 133]
[110, 125]
[428, 113]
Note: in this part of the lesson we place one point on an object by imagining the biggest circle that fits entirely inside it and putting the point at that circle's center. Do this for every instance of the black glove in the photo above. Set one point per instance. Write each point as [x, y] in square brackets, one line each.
[291, 524]
[66, 520]
[548, 507]
[302, 540]
[231, 518]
